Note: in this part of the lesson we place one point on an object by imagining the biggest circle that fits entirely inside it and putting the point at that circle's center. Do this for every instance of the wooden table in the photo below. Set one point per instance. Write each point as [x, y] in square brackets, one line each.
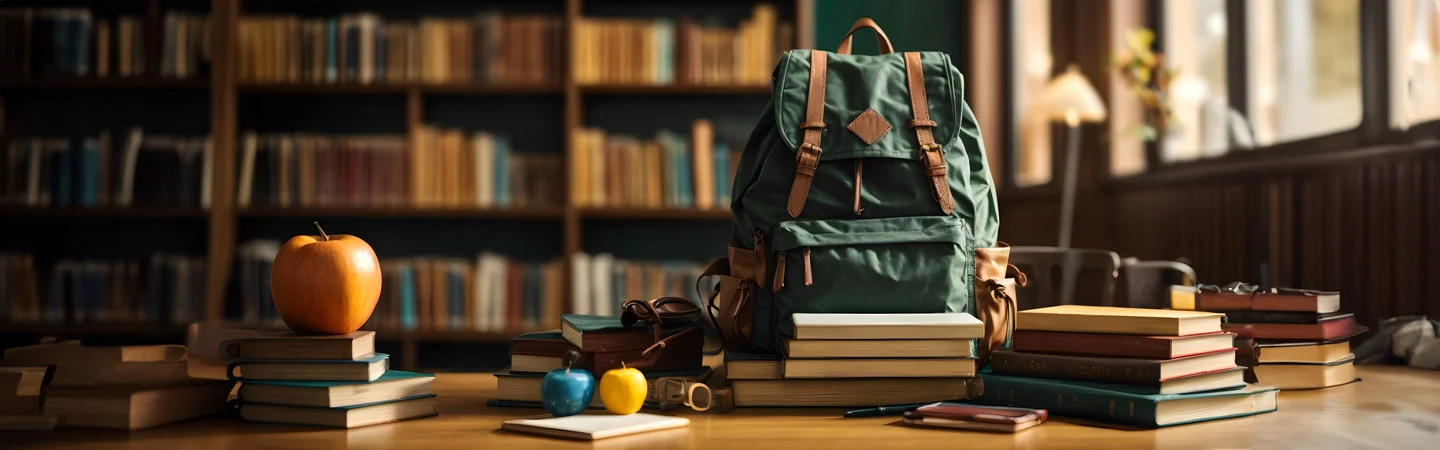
[1393, 407]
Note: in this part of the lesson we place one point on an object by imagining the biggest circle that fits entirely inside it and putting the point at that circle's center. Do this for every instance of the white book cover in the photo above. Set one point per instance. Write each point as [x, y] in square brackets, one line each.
[602, 269]
[918, 320]
[247, 169]
[580, 283]
[127, 173]
[484, 147]
[595, 426]
[480, 310]
[499, 295]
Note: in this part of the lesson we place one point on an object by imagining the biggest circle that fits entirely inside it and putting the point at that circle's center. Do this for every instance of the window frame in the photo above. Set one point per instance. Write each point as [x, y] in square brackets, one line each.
[1374, 129]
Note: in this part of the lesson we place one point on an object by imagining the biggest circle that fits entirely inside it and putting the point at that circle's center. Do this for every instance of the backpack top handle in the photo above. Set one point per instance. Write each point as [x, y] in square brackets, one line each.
[880, 37]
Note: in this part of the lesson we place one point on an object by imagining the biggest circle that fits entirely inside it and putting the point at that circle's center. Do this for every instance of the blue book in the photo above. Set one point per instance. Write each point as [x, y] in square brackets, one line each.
[394, 384]
[686, 169]
[63, 179]
[352, 52]
[309, 370]
[665, 66]
[1066, 398]
[60, 44]
[408, 317]
[455, 291]
[81, 54]
[502, 171]
[380, 56]
[332, 51]
[90, 172]
[722, 174]
[352, 416]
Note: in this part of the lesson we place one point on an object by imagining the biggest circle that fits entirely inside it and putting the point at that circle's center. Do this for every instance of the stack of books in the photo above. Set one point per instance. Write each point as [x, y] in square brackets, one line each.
[125, 388]
[1140, 367]
[364, 48]
[448, 167]
[862, 360]
[668, 171]
[1303, 337]
[117, 170]
[48, 42]
[603, 343]
[22, 397]
[331, 381]
[661, 51]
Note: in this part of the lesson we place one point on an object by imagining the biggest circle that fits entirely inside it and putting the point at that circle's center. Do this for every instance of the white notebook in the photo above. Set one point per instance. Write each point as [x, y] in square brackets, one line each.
[887, 326]
[595, 426]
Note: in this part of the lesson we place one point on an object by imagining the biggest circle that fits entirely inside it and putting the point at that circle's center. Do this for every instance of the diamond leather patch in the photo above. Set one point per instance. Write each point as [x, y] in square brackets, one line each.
[869, 126]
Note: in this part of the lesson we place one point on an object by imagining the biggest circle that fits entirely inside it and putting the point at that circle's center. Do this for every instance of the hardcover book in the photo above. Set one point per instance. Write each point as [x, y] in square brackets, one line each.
[136, 408]
[1288, 317]
[1110, 370]
[743, 365]
[1114, 320]
[342, 417]
[887, 326]
[1307, 376]
[1304, 352]
[606, 333]
[889, 348]
[878, 367]
[856, 392]
[1122, 345]
[392, 385]
[1298, 300]
[293, 346]
[1330, 328]
[1071, 399]
[314, 370]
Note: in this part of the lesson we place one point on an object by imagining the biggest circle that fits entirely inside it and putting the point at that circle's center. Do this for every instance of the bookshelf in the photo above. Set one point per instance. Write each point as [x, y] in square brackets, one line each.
[230, 100]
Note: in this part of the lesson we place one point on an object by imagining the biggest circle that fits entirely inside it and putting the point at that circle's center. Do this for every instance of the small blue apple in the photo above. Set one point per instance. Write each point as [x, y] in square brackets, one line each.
[567, 392]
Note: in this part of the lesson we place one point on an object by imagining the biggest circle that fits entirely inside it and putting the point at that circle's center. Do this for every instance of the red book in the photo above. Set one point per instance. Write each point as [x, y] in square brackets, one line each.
[1280, 300]
[1108, 370]
[1122, 345]
[1330, 328]
[515, 293]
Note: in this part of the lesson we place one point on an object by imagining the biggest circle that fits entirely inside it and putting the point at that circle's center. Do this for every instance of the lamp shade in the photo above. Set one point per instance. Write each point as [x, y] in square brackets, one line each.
[1069, 97]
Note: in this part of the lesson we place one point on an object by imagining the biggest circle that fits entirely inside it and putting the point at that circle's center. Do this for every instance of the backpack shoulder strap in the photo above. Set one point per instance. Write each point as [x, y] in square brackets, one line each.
[931, 154]
[808, 156]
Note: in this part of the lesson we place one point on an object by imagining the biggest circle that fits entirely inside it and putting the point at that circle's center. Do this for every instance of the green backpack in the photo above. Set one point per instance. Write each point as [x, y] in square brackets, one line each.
[863, 189]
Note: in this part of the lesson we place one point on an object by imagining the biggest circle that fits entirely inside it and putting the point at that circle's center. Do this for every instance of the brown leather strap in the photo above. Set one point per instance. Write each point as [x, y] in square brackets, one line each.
[880, 37]
[931, 154]
[807, 157]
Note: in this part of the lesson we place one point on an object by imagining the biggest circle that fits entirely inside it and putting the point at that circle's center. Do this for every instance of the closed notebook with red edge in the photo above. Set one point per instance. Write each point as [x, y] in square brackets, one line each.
[1110, 370]
[1330, 328]
[1122, 345]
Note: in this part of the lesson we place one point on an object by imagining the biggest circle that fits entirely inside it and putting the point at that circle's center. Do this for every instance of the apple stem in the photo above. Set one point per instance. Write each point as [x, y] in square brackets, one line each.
[323, 236]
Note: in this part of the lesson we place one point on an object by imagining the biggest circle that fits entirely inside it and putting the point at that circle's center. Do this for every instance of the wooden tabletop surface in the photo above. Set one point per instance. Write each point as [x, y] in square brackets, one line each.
[1394, 407]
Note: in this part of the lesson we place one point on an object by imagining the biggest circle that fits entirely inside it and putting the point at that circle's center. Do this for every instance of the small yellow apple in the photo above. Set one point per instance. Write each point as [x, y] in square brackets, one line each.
[326, 284]
[623, 390]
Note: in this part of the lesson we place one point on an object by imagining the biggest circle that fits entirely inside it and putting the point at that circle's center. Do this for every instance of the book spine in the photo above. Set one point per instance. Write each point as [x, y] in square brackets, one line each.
[1110, 370]
[1063, 400]
[1090, 344]
[1284, 317]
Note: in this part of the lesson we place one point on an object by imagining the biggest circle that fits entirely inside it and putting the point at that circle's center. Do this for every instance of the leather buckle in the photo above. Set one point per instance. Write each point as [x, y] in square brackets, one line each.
[809, 149]
[924, 149]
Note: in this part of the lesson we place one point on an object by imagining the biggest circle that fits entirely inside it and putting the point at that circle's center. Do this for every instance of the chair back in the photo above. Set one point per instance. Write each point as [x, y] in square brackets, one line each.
[1066, 276]
[1147, 283]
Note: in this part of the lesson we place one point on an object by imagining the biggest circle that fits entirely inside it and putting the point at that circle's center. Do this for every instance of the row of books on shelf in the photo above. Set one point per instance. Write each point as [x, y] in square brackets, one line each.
[599, 283]
[666, 171]
[365, 48]
[166, 288]
[125, 169]
[433, 168]
[660, 51]
[42, 42]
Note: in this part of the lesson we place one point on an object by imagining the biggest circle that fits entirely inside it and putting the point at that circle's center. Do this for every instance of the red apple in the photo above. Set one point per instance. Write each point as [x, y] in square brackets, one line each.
[325, 284]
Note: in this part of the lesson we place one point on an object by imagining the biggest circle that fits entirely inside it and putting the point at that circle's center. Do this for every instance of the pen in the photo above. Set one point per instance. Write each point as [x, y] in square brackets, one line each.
[882, 411]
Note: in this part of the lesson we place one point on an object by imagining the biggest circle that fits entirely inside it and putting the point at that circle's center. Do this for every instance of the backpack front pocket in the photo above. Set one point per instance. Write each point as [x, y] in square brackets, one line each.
[892, 265]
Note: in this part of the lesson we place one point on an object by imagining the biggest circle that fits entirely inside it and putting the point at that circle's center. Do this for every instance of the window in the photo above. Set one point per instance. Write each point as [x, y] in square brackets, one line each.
[1195, 37]
[1304, 77]
[1414, 69]
[1030, 70]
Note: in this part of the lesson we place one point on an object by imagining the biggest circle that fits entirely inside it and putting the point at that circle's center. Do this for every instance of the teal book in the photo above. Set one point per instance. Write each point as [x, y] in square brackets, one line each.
[332, 52]
[502, 171]
[1086, 401]
[605, 333]
[409, 320]
[313, 370]
[722, 175]
[341, 417]
[686, 171]
[393, 385]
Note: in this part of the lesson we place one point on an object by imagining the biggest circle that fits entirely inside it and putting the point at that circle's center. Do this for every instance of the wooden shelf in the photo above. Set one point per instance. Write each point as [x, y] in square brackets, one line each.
[655, 213]
[674, 89]
[107, 82]
[399, 88]
[72, 329]
[103, 212]
[538, 212]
